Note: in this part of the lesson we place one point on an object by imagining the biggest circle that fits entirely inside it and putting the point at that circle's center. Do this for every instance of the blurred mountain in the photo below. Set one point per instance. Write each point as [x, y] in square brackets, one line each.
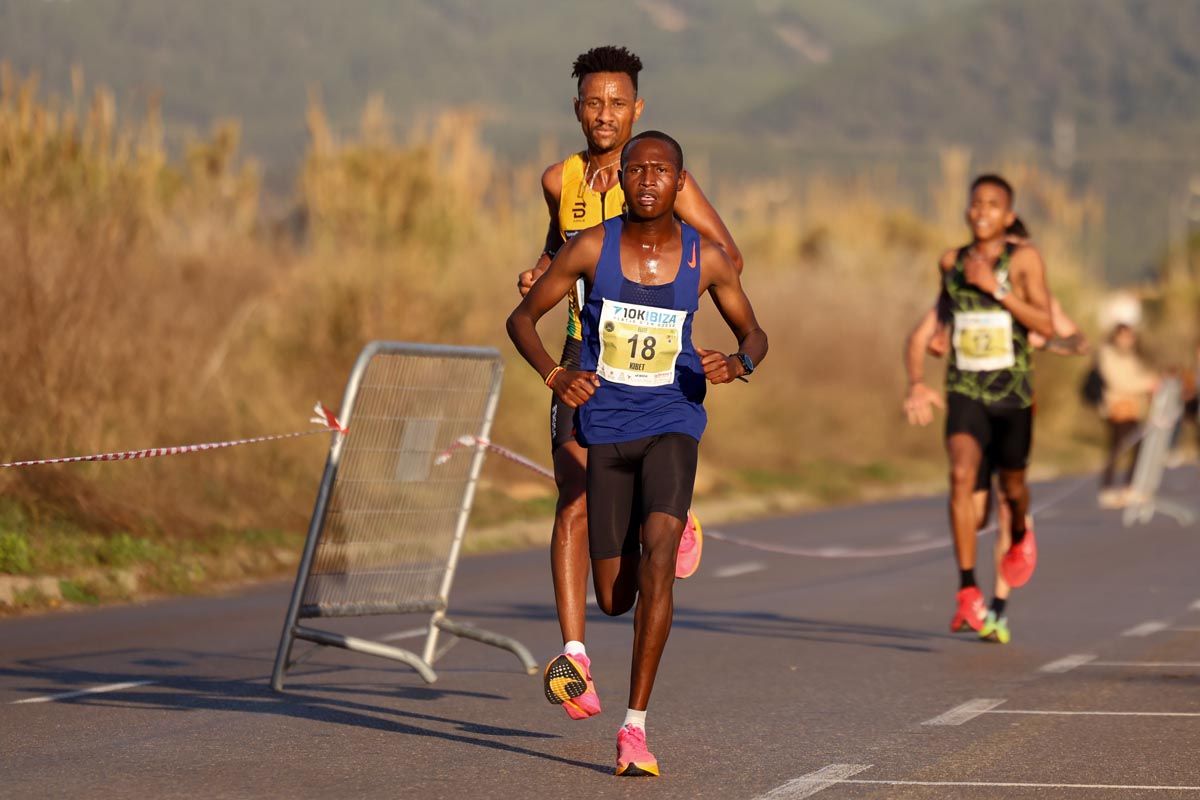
[707, 61]
[1104, 92]
[1004, 72]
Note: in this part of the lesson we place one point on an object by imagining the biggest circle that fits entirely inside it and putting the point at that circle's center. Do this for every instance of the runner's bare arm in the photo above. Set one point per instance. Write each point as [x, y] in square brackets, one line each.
[1068, 339]
[1029, 302]
[551, 188]
[577, 258]
[693, 207]
[919, 403]
[724, 284]
[924, 333]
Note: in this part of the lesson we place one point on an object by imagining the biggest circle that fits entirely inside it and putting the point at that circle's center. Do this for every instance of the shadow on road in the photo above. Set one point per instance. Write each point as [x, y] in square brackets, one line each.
[764, 624]
[328, 702]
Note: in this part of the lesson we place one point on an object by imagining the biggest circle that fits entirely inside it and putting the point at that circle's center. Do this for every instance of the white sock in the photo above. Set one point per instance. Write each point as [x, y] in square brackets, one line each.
[635, 718]
[574, 648]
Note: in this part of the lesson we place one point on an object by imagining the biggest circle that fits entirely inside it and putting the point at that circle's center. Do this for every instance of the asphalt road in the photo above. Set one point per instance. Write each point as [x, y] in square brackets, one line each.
[785, 677]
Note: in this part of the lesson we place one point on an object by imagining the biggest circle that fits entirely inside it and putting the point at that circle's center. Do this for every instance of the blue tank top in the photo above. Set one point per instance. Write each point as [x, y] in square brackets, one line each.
[638, 340]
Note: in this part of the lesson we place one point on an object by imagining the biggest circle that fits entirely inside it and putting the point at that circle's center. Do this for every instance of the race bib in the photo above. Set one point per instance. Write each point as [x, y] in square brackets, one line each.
[983, 340]
[639, 345]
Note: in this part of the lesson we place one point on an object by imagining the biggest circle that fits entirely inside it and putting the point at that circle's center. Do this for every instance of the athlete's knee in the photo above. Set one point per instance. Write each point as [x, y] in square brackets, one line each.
[1015, 487]
[658, 564]
[571, 513]
[963, 476]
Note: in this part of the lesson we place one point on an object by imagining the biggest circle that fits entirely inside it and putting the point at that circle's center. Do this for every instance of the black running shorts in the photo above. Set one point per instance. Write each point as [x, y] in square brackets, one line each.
[1005, 435]
[562, 416]
[629, 480]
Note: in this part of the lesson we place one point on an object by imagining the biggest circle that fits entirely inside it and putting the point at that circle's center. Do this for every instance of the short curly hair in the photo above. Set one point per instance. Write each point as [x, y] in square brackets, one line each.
[606, 58]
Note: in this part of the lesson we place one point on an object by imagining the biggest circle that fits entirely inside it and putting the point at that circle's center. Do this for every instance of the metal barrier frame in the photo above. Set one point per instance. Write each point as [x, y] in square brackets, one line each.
[1166, 408]
[438, 621]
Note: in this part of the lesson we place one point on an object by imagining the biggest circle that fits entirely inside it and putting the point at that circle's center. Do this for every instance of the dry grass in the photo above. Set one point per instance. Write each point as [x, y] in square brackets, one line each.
[146, 305]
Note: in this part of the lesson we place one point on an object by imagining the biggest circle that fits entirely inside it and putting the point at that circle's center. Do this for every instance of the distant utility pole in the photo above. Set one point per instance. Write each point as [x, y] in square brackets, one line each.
[1183, 210]
[1191, 215]
[1062, 137]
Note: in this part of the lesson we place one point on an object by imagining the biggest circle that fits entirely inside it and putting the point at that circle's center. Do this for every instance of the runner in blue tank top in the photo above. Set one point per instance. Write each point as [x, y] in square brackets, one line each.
[639, 398]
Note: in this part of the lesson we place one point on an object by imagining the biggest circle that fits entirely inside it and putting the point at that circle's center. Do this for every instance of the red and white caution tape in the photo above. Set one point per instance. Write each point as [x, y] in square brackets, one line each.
[503, 452]
[322, 416]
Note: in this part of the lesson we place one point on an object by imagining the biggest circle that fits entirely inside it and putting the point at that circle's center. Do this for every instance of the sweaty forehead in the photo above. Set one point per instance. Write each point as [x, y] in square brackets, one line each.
[652, 151]
[601, 84]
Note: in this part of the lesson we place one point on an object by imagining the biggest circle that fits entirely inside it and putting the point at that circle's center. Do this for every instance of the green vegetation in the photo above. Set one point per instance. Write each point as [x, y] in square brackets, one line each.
[14, 553]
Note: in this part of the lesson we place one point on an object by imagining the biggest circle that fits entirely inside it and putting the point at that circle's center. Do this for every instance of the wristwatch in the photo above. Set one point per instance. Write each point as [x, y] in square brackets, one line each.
[747, 364]
[1000, 293]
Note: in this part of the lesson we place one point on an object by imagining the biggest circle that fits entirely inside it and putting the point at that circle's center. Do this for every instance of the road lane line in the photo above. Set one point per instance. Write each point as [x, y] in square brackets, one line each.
[408, 634]
[1195, 606]
[744, 568]
[1023, 785]
[965, 712]
[1097, 713]
[1067, 663]
[111, 687]
[1152, 664]
[1146, 628]
[813, 782]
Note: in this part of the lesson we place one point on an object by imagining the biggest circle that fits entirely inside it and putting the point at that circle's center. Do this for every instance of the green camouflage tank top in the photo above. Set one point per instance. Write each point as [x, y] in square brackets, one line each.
[990, 356]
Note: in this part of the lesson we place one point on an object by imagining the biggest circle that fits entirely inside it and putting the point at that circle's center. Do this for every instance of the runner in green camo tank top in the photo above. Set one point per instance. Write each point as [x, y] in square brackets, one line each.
[1003, 386]
[993, 296]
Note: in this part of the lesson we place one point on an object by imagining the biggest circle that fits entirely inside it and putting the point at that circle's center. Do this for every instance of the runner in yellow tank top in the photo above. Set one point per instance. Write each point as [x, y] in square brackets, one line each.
[582, 191]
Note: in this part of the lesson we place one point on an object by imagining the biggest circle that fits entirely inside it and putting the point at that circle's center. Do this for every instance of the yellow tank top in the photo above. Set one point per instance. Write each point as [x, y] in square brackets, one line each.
[581, 207]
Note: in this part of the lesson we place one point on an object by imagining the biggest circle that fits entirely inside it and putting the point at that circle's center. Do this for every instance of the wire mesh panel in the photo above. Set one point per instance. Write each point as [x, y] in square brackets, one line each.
[389, 520]
[1166, 409]
[392, 516]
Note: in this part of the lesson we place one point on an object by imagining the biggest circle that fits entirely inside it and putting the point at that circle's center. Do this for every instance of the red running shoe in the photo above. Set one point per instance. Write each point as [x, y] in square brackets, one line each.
[691, 544]
[971, 611]
[1019, 562]
[634, 759]
[568, 683]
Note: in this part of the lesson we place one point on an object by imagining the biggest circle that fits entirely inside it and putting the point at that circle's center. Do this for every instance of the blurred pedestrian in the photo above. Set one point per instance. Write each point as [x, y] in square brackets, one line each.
[1128, 383]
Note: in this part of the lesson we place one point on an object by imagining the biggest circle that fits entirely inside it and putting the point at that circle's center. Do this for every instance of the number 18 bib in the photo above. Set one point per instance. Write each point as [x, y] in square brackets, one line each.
[983, 340]
[639, 345]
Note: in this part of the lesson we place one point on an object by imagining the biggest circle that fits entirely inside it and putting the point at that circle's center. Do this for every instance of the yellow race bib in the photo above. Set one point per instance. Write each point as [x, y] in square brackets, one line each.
[639, 345]
[983, 341]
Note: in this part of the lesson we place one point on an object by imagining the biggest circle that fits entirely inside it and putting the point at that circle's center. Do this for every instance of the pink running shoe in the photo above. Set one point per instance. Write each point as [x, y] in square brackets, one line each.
[1020, 561]
[568, 682]
[971, 612]
[687, 559]
[633, 757]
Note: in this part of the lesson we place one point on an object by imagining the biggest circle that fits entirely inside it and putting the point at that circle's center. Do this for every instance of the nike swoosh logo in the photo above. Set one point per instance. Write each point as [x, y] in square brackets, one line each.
[692, 260]
[561, 687]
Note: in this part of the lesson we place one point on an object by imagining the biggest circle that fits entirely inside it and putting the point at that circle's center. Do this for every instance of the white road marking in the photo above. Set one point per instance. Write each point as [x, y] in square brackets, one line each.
[965, 712]
[1098, 713]
[1067, 663]
[1151, 664]
[744, 568]
[1195, 606]
[813, 782]
[1023, 785]
[408, 634]
[1146, 628]
[111, 687]
[445, 648]
[835, 774]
